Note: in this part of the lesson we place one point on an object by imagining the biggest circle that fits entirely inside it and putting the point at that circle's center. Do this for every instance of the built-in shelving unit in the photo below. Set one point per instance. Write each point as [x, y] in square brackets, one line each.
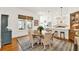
[74, 20]
[74, 25]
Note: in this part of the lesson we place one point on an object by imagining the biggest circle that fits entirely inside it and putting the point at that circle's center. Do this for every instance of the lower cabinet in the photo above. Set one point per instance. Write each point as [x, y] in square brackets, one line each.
[6, 37]
[71, 35]
[77, 38]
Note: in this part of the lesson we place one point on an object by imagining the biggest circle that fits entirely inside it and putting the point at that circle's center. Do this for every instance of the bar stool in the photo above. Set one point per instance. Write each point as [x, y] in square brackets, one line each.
[62, 35]
[56, 33]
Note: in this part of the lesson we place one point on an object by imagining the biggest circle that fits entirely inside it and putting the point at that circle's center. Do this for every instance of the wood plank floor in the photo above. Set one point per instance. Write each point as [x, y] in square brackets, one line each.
[58, 45]
[10, 47]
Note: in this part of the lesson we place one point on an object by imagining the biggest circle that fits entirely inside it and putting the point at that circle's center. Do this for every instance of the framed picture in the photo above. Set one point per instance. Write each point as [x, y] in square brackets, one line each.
[36, 22]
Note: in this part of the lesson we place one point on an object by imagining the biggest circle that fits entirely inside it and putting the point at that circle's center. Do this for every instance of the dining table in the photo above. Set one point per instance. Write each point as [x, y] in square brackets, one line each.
[38, 36]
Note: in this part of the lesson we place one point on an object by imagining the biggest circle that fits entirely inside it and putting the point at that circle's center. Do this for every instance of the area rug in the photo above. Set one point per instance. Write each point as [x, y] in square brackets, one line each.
[58, 45]
[24, 43]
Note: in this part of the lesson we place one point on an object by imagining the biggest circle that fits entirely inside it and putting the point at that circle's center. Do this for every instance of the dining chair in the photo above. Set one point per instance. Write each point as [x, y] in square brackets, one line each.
[47, 40]
[35, 31]
[33, 40]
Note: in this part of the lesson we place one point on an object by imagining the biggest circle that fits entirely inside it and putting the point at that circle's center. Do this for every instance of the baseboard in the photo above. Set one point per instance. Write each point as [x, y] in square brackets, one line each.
[19, 36]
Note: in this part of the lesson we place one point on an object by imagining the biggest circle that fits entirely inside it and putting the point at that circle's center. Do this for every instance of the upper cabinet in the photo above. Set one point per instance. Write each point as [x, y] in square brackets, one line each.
[74, 20]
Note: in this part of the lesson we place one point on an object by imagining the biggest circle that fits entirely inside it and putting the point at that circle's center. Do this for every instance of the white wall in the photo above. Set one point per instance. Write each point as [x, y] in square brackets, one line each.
[66, 13]
[56, 12]
[13, 19]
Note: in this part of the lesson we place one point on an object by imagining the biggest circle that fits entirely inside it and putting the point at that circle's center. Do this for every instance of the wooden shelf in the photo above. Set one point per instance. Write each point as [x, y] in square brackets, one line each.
[25, 17]
[74, 24]
[74, 19]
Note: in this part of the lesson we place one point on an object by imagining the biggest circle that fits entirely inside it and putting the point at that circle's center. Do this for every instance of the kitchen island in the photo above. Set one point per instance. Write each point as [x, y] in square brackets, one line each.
[61, 33]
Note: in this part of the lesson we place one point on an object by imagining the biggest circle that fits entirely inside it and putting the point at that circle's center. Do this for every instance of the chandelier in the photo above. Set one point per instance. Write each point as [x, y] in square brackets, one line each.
[60, 20]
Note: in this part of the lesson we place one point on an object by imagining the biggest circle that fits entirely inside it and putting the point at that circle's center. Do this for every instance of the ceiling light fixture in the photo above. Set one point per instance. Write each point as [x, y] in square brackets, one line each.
[60, 20]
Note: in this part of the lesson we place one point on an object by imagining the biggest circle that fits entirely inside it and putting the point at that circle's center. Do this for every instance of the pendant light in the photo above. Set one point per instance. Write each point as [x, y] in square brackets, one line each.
[61, 16]
[60, 20]
[48, 18]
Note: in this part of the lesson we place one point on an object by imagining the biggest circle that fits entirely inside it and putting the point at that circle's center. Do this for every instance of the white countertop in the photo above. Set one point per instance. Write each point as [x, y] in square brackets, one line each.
[66, 30]
[61, 28]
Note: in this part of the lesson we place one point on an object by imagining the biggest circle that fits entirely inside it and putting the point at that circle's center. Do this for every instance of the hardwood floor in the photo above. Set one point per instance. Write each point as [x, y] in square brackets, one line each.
[58, 45]
[10, 47]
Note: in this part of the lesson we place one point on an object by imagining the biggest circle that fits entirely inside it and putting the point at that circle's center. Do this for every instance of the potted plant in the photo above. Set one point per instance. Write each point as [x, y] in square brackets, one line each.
[40, 28]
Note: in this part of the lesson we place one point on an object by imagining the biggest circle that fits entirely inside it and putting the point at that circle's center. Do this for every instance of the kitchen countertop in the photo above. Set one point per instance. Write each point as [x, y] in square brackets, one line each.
[62, 28]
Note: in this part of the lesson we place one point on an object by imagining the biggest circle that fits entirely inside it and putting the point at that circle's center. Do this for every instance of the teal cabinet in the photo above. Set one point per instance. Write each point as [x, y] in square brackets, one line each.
[6, 35]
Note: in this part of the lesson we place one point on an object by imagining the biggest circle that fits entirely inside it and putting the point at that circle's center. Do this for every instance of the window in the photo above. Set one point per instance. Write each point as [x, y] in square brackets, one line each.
[21, 24]
[45, 21]
[29, 25]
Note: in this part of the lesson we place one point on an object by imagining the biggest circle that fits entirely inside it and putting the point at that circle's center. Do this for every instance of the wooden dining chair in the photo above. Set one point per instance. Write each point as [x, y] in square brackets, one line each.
[32, 40]
[35, 31]
[47, 40]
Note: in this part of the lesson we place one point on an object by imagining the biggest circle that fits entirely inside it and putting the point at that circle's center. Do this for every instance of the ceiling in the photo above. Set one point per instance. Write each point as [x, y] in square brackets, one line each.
[54, 11]
[43, 9]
